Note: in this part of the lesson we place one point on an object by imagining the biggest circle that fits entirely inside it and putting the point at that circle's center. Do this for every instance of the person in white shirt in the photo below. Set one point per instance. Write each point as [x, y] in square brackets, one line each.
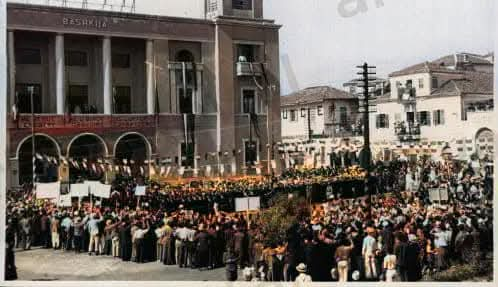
[390, 266]
[302, 278]
[180, 246]
[368, 251]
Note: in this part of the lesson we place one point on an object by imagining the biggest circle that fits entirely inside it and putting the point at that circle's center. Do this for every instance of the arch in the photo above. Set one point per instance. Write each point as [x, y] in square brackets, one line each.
[484, 142]
[184, 55]
[134, 139]
[146, 141]
[37, 134]
[45, 170]
[106, 151]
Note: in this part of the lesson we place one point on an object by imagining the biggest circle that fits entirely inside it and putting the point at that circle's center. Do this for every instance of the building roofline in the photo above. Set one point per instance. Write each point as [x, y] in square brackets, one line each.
[260, 23]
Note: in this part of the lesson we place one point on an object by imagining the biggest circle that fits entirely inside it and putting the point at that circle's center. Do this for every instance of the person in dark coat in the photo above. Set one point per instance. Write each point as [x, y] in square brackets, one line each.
[230, 260]
[202, 239]
[10, 264]
[125, 240]
[240, 246]
[45, 230]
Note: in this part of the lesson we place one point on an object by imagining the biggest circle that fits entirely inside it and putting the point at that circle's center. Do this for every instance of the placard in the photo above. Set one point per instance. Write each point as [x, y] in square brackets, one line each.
[65, 200]
[247, 203]
[140, 190]
[48, 190]
[102, 190]
[79, 190]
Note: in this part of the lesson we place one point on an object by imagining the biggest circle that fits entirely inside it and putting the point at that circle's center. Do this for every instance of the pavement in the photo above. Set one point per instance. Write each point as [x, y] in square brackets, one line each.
[57, 265]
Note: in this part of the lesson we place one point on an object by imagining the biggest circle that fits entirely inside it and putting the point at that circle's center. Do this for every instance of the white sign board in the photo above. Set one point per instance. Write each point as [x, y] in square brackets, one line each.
[140, 190]
[438, 194]
[247, 203]
[79, 190]
[48, 190]
[65, 200]
[102, 190]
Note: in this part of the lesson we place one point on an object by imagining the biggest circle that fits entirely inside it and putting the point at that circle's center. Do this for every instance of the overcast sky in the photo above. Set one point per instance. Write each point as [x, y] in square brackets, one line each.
[318, 46]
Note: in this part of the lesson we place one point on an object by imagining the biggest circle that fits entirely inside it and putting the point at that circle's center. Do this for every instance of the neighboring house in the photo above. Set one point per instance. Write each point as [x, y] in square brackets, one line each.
[319, 112]
[444, 104]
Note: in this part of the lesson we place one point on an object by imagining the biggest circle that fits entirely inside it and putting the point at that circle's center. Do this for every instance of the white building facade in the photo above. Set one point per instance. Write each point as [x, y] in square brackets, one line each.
[443, 106]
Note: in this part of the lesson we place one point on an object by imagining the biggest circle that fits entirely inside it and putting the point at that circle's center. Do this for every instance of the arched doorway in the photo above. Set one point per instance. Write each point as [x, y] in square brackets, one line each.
[86, 150]
[132, 147]
[484, 143]
[46, 168]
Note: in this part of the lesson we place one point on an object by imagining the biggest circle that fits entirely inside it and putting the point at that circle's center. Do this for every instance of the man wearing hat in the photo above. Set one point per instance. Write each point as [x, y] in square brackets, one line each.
[302, 278]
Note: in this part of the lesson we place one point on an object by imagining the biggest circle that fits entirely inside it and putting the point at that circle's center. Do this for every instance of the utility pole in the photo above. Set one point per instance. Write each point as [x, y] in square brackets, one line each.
[310, 133]
[366, 154]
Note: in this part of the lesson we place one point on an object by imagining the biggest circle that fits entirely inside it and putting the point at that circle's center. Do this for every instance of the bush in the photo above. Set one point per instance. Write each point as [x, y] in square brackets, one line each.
[277, 219]
[465, 272]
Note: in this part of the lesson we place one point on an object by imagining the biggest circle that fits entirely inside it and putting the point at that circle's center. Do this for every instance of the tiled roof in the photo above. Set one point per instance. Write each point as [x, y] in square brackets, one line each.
[425, 67]
[441, 65]
[315, 95]
[470, 83]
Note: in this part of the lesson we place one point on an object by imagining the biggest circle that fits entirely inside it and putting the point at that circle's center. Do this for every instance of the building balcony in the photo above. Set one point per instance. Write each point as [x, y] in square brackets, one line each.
[407, 132]
[407, 95]
[249, 69]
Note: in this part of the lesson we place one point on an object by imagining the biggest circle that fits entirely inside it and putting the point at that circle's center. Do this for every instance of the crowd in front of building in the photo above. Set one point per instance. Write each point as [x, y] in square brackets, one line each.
[398, 236]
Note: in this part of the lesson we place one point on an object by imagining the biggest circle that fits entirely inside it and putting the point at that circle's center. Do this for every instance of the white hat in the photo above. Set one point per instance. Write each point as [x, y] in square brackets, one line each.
[333, 272]
[356, 275]
[301, 268]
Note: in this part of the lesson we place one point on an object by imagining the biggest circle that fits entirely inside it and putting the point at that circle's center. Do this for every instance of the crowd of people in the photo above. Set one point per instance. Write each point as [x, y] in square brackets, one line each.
[399, 236]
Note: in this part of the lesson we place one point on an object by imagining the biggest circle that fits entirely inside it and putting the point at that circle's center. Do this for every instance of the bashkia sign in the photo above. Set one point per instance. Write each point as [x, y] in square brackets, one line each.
[85, 22]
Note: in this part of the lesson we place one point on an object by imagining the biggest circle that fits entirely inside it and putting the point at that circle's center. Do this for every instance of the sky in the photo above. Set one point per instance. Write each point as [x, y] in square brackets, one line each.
[319, 46]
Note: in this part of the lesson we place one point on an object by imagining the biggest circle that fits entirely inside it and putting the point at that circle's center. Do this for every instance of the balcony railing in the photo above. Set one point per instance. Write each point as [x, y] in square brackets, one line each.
[407, 131]
[249, 69]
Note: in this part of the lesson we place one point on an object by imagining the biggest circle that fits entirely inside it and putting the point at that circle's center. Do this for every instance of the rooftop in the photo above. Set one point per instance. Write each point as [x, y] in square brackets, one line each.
[315, 95]
[446, 64]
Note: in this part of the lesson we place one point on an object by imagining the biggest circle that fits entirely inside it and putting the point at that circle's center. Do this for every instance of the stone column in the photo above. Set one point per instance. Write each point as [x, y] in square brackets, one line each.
[149, 63]
[11, 62]
[107, 75]
[59, 73]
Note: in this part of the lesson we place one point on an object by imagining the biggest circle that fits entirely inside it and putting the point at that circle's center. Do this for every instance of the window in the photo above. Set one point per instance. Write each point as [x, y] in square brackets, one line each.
[246, 53]
[284, 114]
[185, 56]
[187, 159]
[343, 116]
[23, 95]
[303, 112]
[421, 83]
[185, 100]
[76, 58]
[122, 100]
[352, 89]
[438, 117]
[434, 83]
[409, 84]
[293, 116]
[28, 56]
[248, 101]
[410, 117]
[319, 110]
[424, 118]
[382, 121]
[78, 99]
[250, 153]
[332, 111]
[242, 4]
[120, 60]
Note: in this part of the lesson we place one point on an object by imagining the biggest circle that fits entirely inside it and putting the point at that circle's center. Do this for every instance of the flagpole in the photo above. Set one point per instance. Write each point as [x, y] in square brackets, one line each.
[31, 91]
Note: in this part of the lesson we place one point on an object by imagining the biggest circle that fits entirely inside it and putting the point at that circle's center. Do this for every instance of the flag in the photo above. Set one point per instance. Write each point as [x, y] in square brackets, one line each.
[15, 107]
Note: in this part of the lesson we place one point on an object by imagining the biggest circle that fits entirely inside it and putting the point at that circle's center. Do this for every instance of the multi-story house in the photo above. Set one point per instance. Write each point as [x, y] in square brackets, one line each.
[433, 107]
[109, 86]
